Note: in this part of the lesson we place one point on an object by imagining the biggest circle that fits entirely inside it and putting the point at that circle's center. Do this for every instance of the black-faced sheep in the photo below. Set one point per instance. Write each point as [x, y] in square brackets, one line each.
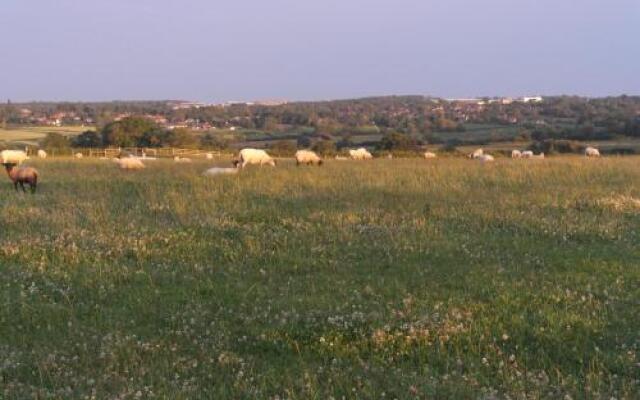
[22, 175]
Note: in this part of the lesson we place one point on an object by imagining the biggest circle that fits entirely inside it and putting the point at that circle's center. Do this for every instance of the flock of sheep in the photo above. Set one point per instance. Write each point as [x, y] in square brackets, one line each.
[22, 175]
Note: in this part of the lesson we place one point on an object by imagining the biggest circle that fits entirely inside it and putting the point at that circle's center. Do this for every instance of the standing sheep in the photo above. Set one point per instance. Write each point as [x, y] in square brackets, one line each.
[78, 155]
[22, 175]
[12, 156]
[516, 154]
[591, 152]
[360, 154]
[254, 157]
[307, 157]
[429, 154]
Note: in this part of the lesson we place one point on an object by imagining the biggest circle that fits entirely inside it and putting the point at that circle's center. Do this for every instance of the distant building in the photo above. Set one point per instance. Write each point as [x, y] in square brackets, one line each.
[534, 99]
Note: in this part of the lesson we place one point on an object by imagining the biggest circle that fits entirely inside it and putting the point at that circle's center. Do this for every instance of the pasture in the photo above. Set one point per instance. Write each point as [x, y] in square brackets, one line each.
[31, 135]
[380, 279]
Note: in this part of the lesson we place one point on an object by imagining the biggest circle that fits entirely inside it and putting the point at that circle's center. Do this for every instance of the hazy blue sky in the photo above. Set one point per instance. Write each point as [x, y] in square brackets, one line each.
[216, 50]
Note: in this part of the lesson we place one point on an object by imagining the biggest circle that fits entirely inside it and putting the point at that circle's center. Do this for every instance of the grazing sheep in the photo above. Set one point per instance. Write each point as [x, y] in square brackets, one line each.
[220, 171]
[253, 156]
[12, 156]
[429, 154]
[516, 154]
[527, 154]
[307, 157]
[129, 163]
[591, 152]
[389, 156]
[22, 175]
[42, 154]
[476, 154]
[78, 155]
[360, 154]
[484, 158]
[209, 156]
[179, 159]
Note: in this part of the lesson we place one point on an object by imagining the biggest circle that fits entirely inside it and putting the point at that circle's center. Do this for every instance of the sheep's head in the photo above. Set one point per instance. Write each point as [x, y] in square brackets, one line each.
[9, 166]
[236, 163]
[272, 163]
[320, 162]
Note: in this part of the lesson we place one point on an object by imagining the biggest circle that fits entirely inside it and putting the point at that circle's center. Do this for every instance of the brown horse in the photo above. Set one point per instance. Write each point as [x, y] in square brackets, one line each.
[21, 176]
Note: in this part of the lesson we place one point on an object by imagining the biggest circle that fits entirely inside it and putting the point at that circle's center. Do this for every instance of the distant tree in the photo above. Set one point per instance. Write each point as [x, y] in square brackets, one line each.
[209, 140]
[87, 139]
[283, 147]
[304, 142]
[397, 141]
[552, 146]
[127, 132]
[55, 141]
[180, 138]
[324, 147]
[451, 146]
[153, 138]
[345, 142]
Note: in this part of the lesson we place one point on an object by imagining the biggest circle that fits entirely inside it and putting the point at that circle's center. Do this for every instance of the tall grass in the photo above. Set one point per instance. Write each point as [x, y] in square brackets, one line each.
[382, 279]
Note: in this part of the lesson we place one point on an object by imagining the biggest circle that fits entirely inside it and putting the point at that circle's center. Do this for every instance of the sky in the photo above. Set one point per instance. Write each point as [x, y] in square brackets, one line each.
[215, 50]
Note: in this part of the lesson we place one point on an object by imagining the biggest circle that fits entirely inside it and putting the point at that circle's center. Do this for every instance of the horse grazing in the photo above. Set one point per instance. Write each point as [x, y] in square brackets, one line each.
[21, 176]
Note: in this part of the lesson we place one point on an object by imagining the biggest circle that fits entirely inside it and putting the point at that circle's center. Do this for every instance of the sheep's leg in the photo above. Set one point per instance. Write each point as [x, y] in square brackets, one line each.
[15, 186]
[22, 187]
[32, 186]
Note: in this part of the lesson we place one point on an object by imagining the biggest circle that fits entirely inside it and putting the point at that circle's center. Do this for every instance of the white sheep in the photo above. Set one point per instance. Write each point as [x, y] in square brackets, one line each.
[12, 157]
[220, 171]
[78, 155]
[179, 159]
[131, 163]
[209, 156]
[591, 152]
[360, 154]
[307, 157]
[254, 157]
[429, 154]
[516, 154]
[476, 154]
[527, 154]
[484, 158]
[42, 154]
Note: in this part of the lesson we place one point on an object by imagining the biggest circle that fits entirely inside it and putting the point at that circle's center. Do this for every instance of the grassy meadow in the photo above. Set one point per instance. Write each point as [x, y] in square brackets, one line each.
[31, 135]
[440, 279]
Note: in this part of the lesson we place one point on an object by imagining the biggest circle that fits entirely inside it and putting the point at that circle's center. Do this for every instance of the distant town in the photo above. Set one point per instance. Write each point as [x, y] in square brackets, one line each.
[399, 123]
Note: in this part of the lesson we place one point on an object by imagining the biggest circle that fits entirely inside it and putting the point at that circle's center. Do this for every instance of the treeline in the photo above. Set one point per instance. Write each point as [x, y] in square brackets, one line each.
[429, 119]
[133, 132]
